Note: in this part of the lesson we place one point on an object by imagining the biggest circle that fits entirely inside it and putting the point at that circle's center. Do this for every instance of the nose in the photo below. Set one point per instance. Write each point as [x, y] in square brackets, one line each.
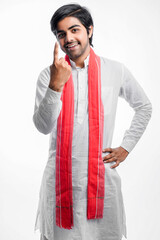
[69, 37]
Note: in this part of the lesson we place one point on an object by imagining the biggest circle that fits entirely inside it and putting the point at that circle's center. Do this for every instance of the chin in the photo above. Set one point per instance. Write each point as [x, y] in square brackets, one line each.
[74, 55]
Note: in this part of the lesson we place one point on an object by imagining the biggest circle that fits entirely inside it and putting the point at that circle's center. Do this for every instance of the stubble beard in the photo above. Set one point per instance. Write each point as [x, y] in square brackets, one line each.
[79, 53]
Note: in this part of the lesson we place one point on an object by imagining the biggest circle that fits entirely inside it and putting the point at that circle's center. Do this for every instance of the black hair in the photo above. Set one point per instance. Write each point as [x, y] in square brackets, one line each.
[74, 10]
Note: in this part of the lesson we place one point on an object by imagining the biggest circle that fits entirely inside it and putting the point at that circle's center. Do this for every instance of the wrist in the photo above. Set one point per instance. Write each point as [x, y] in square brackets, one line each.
[55, 87]
[124, 150]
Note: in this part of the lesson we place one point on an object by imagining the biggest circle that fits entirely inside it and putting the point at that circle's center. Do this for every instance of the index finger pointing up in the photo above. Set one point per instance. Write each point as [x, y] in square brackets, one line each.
[56, 52]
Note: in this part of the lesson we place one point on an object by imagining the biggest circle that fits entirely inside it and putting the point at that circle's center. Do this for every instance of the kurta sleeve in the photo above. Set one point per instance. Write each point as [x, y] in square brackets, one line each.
[133, 93]
[47, 104]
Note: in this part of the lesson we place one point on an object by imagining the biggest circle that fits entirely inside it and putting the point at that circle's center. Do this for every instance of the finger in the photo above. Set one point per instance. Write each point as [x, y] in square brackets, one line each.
[110, 155]
[56, 52]
[62, 60]
[113, 159]
[115, 165]
[107, 150]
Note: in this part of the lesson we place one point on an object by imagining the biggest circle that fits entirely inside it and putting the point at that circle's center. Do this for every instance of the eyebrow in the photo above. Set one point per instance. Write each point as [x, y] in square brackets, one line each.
[76, 25]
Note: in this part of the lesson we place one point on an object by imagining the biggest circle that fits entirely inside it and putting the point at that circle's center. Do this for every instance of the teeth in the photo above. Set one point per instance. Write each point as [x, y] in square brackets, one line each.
[69, 46]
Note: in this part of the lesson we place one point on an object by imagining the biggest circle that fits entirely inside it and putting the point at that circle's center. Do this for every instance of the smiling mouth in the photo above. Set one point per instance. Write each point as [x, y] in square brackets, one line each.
[71, 46]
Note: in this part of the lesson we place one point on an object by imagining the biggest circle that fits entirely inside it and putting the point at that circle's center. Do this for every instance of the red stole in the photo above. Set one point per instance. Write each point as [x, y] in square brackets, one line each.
[96, 169]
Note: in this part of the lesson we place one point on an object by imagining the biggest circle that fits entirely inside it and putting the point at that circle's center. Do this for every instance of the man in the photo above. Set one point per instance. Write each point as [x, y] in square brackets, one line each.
[76, 99]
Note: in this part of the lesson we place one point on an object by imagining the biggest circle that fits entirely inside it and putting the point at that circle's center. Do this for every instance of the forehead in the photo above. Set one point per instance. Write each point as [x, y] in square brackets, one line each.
[67, 22]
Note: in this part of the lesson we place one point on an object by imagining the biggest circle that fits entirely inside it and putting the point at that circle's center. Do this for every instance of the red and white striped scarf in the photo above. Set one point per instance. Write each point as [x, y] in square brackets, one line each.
[96, 169]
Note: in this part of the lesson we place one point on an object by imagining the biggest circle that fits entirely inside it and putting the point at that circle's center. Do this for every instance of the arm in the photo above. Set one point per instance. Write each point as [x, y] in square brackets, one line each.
[47, 104]
[133, 93]
[49, 87]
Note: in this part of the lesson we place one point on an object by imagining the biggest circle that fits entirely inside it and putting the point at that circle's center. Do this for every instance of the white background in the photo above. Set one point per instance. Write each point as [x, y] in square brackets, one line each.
[126, 31]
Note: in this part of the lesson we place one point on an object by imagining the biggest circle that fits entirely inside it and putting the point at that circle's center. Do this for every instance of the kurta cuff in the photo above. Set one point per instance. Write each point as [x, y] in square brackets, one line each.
[128, 145]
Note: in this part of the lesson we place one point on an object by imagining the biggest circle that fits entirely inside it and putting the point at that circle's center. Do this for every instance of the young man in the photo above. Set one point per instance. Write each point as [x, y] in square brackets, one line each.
[76, 99]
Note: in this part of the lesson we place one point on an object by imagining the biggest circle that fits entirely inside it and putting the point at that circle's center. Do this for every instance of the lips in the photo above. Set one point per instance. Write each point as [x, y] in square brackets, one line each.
[71, 45]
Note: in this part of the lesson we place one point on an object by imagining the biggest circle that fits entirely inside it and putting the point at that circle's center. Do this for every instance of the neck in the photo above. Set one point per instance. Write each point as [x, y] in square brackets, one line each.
[80, 61]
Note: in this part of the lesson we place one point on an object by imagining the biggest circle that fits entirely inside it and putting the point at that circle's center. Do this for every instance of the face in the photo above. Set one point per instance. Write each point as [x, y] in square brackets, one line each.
[73, 38]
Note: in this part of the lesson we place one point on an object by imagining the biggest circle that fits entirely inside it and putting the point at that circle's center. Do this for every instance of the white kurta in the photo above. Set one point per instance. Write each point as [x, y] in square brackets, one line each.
[116, 81]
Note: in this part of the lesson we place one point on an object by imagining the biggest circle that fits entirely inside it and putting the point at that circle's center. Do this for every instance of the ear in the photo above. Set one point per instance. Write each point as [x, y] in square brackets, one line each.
[90, 31]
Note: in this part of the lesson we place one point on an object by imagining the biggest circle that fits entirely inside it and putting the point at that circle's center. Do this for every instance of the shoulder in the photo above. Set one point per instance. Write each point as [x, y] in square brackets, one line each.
[111, 64]
[112, 70]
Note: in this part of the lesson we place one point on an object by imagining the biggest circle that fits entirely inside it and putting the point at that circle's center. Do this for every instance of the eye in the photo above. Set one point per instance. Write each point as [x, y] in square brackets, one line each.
[75, 30]
[61, 35]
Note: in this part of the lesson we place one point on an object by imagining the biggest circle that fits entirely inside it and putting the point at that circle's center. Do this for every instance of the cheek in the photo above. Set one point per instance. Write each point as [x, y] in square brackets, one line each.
[82, 38]
[61, 43]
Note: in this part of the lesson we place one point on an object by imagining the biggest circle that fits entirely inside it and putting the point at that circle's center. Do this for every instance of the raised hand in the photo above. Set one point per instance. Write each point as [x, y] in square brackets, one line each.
[60, 71]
